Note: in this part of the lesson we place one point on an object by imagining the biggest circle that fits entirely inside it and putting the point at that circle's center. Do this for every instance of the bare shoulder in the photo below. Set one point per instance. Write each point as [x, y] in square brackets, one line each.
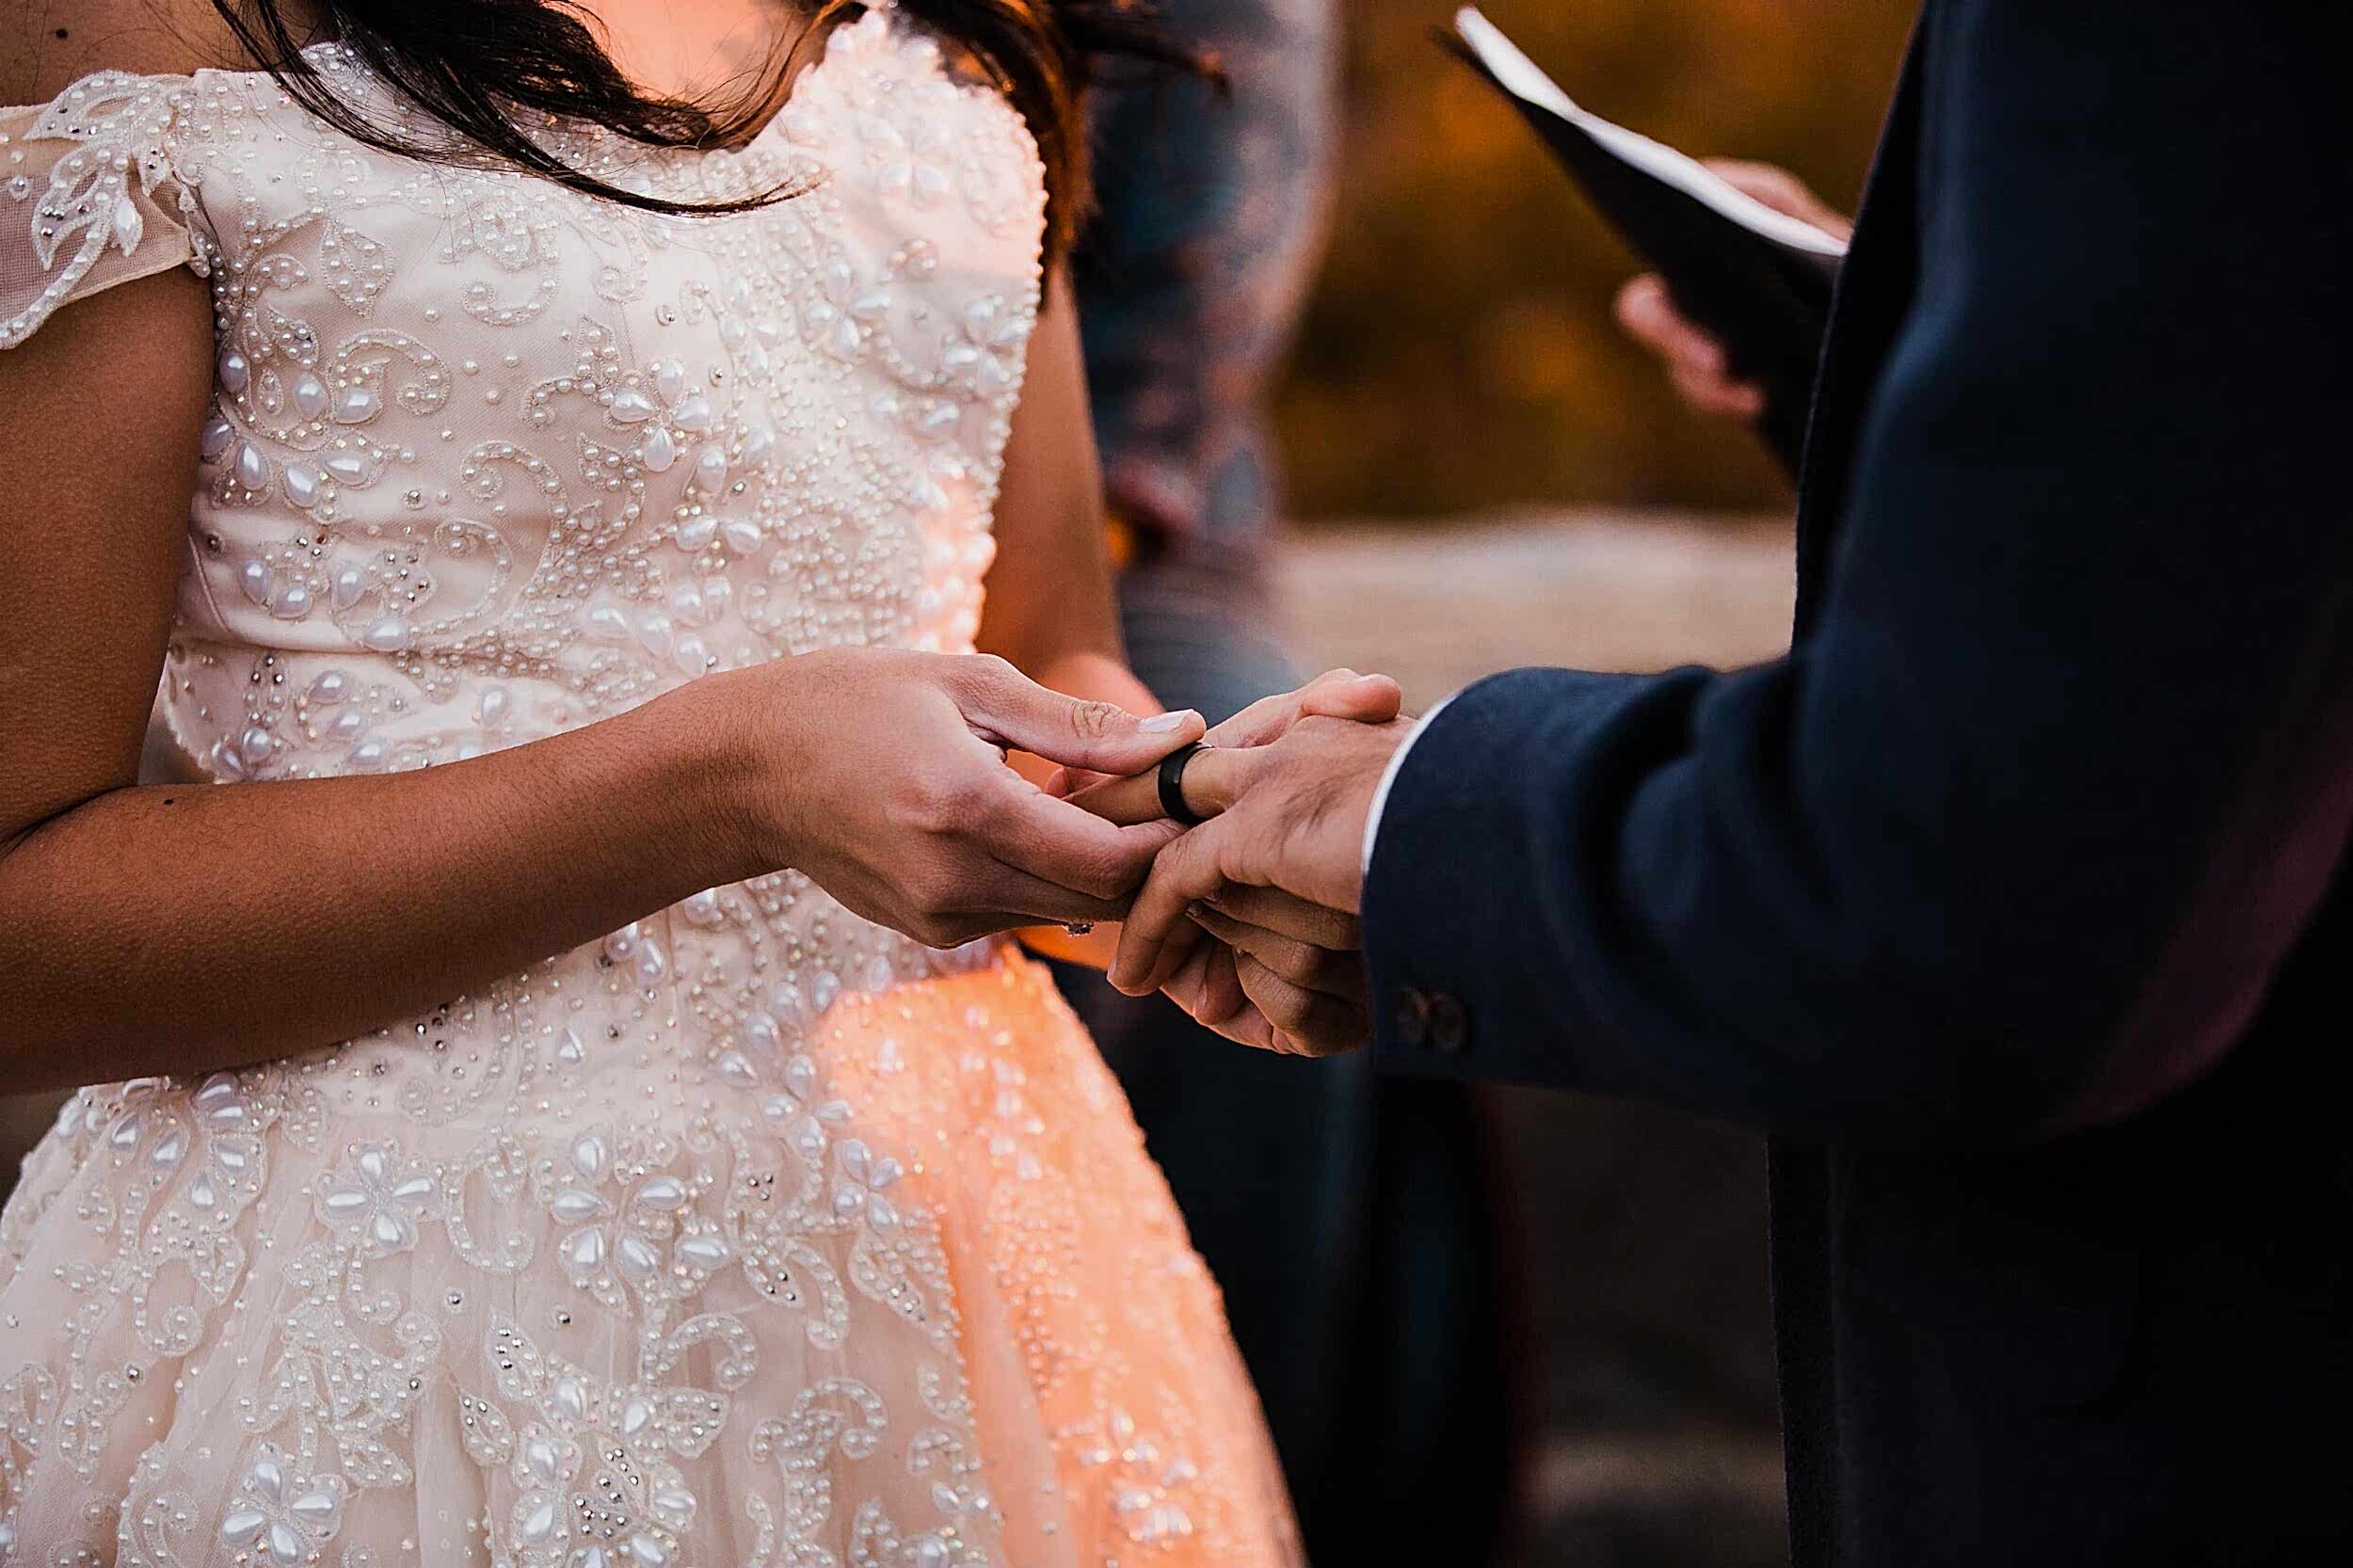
[47, 45]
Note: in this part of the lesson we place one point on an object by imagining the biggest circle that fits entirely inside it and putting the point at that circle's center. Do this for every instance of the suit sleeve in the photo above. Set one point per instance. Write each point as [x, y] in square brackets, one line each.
[2016, 836]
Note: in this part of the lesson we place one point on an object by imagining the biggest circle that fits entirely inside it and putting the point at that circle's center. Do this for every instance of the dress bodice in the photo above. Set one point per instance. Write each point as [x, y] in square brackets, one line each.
[490, 458]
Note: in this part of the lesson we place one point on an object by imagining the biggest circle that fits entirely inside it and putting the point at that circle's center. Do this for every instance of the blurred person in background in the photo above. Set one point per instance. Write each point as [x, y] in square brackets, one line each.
[1348, 1225]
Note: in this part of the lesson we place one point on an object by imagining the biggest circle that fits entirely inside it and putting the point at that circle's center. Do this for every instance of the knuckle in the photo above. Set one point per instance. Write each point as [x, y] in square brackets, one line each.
[977, 794]
[950, 806]
[1315, 727]
[1282, 1004]
[929, 809]
[986, 672]
[1298, 963]
[1109, 872]
[915, 812]
[1093, 721]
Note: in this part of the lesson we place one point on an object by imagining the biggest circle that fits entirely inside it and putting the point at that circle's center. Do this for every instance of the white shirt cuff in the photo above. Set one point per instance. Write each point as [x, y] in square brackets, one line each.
[1388, 776]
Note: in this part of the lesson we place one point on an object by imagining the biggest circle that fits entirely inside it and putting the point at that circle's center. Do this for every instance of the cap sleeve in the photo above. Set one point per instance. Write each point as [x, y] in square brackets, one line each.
[89, 195]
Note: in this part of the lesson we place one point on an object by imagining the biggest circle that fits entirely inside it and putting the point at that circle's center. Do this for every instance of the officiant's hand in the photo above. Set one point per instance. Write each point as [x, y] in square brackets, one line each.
[1695, 358]
[1287, 818]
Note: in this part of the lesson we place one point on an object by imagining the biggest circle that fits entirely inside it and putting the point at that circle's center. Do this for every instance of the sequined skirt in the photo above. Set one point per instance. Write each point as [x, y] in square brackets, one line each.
[650, 1256]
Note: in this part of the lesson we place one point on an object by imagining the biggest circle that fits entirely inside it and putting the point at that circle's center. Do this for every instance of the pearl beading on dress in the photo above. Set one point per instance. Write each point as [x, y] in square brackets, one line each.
[669, 1218]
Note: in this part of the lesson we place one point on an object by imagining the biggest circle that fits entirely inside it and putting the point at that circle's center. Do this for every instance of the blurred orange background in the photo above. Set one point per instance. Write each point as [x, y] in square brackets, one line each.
[1460, 352]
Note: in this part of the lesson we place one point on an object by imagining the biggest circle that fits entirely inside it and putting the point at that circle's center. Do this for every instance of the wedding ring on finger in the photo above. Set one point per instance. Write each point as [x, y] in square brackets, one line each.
[1172, 781]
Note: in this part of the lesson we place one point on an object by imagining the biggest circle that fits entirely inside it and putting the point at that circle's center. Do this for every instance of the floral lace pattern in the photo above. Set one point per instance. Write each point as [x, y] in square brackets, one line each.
[751, 1234]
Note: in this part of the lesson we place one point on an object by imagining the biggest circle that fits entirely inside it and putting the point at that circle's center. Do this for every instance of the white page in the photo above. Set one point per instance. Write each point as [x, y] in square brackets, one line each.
[1520, 77]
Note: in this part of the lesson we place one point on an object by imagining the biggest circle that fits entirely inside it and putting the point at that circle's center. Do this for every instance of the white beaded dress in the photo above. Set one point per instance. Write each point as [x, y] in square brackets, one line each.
[753, 1234]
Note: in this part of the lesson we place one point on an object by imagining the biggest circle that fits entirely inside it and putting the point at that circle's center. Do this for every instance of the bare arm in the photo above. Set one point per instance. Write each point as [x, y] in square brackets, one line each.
[138, 923]
[176, 929]
[1049, 609]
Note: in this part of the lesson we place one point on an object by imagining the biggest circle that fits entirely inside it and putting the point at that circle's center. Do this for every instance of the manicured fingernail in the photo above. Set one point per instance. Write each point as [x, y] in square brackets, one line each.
[1161, 724]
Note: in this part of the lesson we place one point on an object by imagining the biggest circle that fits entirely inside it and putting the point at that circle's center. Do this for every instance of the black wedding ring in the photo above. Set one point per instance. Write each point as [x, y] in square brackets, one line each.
[1173, 785]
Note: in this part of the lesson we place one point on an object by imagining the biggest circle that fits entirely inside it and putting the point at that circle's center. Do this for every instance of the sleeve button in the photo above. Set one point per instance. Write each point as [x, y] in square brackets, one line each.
[1413, 1017]
[1449, 1025]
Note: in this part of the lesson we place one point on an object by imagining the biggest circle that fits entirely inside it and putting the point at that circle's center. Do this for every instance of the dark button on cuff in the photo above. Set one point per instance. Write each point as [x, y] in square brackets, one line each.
[1413, 1017]
[1449, 1025]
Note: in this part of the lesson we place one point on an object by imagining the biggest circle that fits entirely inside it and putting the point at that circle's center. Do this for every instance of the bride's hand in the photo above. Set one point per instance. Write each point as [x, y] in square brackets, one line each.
[1339, 694]
[880, 773]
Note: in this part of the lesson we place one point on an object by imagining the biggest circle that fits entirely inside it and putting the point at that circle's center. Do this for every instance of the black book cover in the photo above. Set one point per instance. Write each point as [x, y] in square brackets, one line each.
[1757, 279]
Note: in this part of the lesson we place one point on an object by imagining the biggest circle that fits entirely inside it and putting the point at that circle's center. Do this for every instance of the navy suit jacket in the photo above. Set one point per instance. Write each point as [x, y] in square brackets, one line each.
[2011, 900]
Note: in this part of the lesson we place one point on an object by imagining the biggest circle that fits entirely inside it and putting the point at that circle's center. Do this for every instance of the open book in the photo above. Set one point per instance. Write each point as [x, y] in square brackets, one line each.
[1758, 278]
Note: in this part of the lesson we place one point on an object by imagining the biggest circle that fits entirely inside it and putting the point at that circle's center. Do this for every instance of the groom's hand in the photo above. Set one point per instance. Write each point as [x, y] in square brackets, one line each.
[1338, 693]
[1282, 974]
[1289, 816]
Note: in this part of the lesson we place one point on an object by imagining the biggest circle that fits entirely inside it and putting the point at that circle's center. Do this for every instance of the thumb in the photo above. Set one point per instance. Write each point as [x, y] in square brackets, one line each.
[1012, 710]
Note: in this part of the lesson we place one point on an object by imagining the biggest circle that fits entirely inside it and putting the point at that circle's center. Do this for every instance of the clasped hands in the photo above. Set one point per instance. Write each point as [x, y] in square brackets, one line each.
[880, 773]
[1249, 921]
